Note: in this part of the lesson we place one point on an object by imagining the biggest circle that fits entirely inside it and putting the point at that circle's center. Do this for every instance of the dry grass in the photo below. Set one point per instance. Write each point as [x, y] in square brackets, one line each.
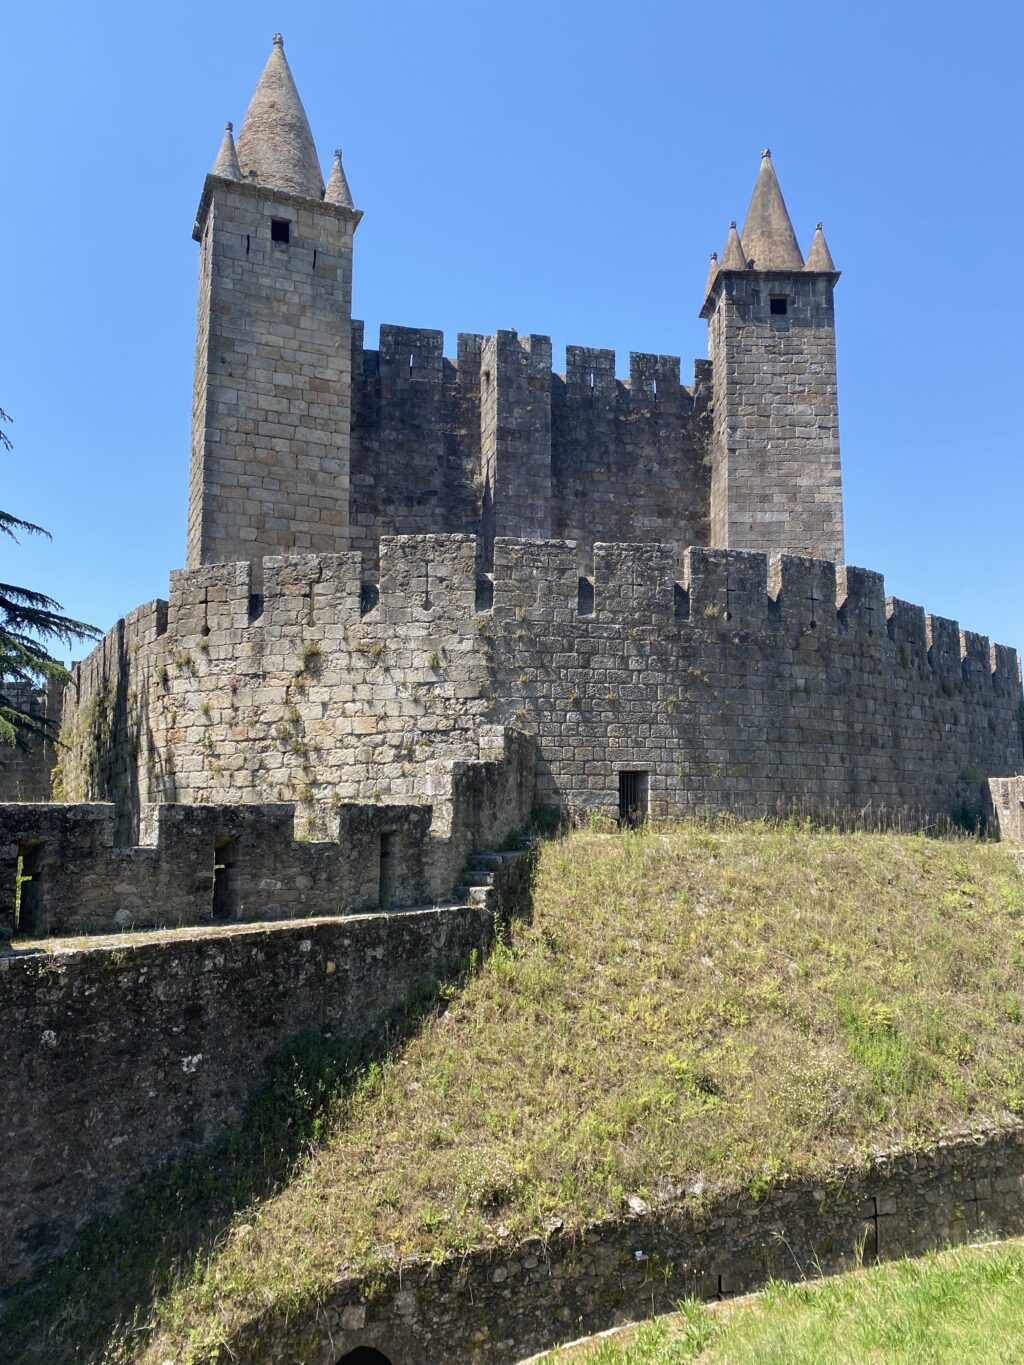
[726, 1004]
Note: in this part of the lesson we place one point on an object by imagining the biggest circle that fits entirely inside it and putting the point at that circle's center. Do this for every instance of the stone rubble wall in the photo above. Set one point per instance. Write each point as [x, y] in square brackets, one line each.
[496, 1305]
[117, 1056]
[751, 683]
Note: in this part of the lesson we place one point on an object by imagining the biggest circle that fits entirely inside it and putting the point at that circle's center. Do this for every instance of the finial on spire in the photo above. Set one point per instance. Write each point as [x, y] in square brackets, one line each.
[768, 236]
[275, 146]
[337, 191]
[819, 257]
[226, 163]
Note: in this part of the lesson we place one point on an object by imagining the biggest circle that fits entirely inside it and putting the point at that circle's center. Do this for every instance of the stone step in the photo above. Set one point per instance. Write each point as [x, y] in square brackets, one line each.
[471, 895]
[478, 876]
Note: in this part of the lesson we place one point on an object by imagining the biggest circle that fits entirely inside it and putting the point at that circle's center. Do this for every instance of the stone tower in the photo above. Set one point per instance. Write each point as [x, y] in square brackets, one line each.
[271, 413]
[775, 477]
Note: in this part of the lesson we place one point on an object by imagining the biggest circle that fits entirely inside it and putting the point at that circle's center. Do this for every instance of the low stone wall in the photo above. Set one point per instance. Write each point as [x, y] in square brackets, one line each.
[116, 1056]
[197, 864]
[497, 1305]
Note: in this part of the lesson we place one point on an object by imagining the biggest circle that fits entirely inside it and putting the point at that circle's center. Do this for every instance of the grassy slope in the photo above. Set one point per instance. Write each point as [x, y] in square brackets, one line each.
[727, 1005]
[965, 1305]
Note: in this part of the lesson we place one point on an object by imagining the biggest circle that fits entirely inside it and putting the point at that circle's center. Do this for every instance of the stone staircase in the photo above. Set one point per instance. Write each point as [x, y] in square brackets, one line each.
[487, 876]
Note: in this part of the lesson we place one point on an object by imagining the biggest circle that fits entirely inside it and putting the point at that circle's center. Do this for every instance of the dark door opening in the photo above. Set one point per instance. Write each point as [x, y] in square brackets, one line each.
[386, 876]
[633, 795]
[225, 880]
[28, 897]
[364, 1355]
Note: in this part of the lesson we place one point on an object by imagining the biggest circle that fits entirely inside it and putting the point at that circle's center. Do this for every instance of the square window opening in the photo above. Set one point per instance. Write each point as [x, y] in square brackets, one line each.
[280, 230]
[779, 305]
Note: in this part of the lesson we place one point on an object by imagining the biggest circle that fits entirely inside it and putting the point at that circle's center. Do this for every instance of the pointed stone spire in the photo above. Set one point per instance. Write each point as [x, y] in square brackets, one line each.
[275, 146]
[733, 257]
[768, 236]
[226, 164]
[819, 257]
[713, 269]
[337, 191]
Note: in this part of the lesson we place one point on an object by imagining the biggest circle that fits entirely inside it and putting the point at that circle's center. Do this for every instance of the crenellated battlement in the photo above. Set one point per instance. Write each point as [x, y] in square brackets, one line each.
[417, 355]
[435, 580]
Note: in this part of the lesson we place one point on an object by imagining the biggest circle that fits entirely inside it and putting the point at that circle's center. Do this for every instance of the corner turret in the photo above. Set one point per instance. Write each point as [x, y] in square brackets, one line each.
[775, 472]
[337, 191]
[226, 165]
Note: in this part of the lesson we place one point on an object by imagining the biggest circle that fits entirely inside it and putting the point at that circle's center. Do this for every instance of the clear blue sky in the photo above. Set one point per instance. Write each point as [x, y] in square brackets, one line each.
[556, 166]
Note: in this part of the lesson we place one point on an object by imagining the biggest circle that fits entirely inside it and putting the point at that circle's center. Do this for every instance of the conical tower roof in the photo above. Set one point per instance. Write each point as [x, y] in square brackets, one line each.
[768, 237]
[275, 146]
[819, 257]
[734, 257]
[337, 191]
[226, 164]
[713, 270]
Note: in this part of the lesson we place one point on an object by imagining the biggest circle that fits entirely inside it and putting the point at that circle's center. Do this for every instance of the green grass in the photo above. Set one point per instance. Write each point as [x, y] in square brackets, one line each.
[944, 1309]
[730, 1005]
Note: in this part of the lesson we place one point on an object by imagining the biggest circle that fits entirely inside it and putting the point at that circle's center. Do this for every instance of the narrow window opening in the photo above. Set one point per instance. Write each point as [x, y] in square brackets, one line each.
[310, 619]
[585, 597]
[28, 891]
[484, 592]
[369, 596]
[487, 379]
[412, 363]
[590, 379]
[255, 606]
[280, 230]
[779, 305]
[225, 880]
[386, 875]
[654, 388]
[633, 791]
[314, 258]
[247, 243]
[680, 602]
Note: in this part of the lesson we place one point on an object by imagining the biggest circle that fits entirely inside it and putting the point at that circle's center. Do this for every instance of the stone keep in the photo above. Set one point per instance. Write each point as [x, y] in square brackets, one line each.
[394, 556]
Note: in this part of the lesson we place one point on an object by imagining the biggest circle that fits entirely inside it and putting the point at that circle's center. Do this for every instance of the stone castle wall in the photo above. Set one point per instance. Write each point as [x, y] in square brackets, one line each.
[196, 864]
[748, 684]
[496, 443]
[25, 767]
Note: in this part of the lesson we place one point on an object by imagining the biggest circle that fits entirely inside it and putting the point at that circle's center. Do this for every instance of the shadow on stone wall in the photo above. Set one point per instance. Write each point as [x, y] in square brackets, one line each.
[120, 1265]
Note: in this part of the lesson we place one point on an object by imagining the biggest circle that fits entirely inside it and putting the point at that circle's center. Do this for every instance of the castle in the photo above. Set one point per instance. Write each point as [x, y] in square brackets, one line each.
[422, 597]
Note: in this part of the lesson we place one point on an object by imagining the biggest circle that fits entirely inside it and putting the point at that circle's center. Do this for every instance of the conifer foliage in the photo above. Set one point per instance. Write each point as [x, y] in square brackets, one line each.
[29, 621]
